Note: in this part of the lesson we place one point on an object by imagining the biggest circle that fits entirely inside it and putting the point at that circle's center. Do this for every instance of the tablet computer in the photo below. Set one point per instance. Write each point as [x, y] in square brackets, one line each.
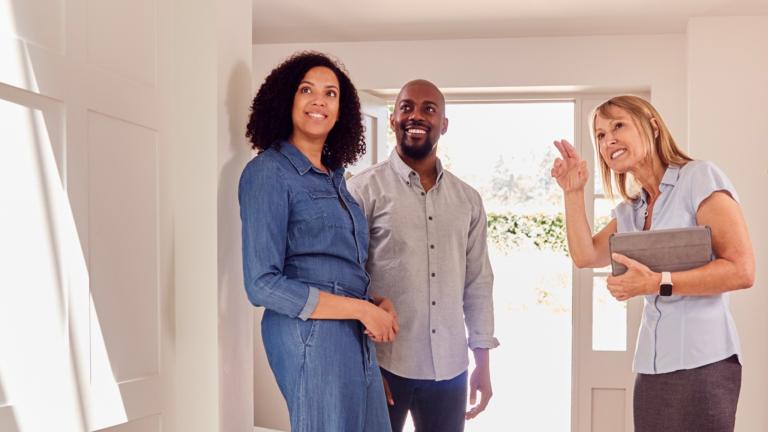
[663, 250]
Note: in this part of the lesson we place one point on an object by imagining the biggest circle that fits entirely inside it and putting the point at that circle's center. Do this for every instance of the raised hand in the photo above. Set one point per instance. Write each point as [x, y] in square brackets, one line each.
[570, 170]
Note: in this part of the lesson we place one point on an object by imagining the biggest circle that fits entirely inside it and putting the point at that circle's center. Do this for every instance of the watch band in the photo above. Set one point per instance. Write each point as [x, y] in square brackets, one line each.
[665, 287]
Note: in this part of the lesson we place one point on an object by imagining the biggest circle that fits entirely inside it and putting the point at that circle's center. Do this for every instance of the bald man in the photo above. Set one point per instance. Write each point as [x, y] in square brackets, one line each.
[428, 254]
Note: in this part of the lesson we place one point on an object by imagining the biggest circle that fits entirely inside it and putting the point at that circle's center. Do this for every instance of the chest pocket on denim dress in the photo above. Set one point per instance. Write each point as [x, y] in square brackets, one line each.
[317, 211]
[334, 213]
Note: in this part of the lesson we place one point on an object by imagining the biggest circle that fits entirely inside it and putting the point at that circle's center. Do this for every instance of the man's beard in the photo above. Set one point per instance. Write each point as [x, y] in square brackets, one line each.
[414, 150]
[417, 152]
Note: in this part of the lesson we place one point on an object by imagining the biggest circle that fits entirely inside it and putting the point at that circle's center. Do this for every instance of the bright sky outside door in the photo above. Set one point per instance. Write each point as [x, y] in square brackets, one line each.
[505, 151]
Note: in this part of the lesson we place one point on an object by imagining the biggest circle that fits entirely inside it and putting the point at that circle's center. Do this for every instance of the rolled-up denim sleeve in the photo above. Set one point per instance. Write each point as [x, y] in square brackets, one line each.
[264, 212]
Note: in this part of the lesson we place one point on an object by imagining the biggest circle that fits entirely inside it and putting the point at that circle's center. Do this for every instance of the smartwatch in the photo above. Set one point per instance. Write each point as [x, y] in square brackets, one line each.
[665, 287]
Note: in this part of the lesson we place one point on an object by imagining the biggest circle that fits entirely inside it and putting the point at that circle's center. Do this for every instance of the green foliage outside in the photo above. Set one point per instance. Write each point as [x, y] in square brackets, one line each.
[544, 231]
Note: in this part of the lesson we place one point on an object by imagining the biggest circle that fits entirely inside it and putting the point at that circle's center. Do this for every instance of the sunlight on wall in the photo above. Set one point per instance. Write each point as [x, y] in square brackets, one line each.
[7, 25]
[45, 365]
[14, 58]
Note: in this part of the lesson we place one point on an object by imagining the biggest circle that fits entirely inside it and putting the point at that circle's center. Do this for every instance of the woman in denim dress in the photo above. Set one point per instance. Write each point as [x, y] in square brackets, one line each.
[305, 244]
[687, 358]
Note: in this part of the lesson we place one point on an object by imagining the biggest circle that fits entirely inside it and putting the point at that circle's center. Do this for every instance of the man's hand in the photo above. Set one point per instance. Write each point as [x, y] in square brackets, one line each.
[387, 305]
[480, 380]
[387, 392]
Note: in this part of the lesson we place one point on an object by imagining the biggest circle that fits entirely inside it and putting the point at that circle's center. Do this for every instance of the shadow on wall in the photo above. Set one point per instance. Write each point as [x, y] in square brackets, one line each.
[235, 311]
[242, 340]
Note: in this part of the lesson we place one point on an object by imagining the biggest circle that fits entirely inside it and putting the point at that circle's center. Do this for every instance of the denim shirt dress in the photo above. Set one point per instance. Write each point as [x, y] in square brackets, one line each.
[304, 233]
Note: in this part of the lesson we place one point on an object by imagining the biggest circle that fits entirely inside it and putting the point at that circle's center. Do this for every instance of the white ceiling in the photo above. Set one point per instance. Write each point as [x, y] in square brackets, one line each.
[290, 21]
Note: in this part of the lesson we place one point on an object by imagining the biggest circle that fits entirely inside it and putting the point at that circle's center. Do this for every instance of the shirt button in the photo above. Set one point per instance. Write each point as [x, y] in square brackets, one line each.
[434, 331]
[430, 218]
[422, 194]
[434, 303]
[433, 275]
[431, 246]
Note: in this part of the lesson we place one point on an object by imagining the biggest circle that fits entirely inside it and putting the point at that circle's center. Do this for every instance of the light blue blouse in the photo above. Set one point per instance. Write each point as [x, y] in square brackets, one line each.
[681, 332]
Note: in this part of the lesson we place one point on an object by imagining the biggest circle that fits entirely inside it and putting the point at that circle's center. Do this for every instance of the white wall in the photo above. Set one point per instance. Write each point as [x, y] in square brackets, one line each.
[86, 82]
[136, 109]
[727, 95]
[210, 97]
[603, 62]
[193, 105]
[236, 400]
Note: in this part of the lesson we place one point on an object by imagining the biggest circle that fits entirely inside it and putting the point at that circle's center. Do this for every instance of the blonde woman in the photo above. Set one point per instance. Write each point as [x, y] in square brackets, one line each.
[687, 357]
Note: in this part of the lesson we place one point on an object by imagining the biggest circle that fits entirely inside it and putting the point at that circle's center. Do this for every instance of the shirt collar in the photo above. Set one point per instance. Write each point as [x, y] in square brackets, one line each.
[669, 179]
[404, 171]
[300, 162]
[297, 159]
[671, 175]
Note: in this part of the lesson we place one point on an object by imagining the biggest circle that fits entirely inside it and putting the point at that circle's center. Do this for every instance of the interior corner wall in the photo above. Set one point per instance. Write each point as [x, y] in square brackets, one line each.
[727, 95]
[235, 313]
[209, 71]
[193, 133]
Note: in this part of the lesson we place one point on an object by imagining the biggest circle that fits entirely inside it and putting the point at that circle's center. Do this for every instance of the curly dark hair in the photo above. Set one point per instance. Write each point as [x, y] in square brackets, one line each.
[271, 122]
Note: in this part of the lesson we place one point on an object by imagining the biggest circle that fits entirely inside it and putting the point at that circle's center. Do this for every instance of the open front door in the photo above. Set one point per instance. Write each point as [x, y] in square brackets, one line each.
[604, 330]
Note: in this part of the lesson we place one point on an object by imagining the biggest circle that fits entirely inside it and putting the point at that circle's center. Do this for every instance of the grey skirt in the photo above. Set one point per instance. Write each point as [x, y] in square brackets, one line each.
[703, 399]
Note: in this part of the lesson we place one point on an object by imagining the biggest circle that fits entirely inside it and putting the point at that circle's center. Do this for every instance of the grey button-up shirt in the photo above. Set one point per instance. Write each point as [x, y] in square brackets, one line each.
[428, 254]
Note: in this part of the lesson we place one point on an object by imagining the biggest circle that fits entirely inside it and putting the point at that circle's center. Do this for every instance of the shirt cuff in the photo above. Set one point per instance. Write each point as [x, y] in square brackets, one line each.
[311, 304]
[486, 342]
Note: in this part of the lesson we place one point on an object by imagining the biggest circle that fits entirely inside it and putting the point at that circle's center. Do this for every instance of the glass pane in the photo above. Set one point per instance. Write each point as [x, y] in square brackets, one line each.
[603, 207]
[598, 178]
[609, 319]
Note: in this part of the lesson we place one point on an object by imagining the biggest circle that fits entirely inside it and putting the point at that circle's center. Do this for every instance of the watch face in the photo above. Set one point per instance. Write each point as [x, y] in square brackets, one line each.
[665, 290]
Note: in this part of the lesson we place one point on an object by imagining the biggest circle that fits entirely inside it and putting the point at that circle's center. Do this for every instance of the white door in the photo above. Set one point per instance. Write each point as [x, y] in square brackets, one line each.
[84, 295]
[604, 330]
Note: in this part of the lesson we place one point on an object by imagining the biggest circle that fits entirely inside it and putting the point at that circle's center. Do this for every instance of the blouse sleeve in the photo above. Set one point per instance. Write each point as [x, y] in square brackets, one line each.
[706, 179]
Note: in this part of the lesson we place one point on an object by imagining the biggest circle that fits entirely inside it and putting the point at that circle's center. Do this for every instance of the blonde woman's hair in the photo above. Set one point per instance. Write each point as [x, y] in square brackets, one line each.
[641, 112]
